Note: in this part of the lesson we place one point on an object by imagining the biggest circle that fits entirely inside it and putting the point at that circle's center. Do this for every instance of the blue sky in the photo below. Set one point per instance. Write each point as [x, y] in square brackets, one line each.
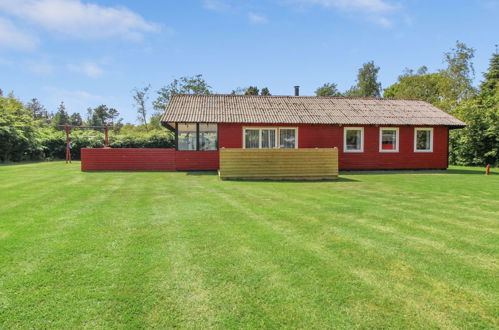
[87, 53]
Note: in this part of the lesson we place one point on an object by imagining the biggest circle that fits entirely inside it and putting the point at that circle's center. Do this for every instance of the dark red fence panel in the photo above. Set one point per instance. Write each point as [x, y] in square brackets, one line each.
[106, 159]
[197, 160]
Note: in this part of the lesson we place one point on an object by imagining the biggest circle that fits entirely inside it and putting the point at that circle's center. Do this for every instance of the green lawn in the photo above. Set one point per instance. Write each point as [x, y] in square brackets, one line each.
[123, 249]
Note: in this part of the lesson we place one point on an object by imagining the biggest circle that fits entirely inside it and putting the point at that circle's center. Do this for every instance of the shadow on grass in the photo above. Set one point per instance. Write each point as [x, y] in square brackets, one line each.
[201, 173]
[388, 172]
[292, 181]
[214, 173]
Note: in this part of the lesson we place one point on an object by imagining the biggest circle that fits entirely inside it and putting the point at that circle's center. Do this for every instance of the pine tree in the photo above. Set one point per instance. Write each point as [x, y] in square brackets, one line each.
[61, 117]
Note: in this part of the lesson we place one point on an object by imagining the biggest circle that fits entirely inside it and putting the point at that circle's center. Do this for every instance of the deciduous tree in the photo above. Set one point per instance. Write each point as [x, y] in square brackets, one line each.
[141, 96]
[328, 89]
[183, 85]
[367, 82]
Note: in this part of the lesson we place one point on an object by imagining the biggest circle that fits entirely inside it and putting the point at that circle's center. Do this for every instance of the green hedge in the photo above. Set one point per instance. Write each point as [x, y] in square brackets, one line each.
[55, 145]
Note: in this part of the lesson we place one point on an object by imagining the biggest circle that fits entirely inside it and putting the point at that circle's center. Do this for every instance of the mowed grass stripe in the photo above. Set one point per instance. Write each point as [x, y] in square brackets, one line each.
[383, 250]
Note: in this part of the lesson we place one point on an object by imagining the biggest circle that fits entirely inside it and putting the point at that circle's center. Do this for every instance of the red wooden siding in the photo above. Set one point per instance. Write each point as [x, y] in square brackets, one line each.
[197, 160]
[147, 160]
[309, 136]
[128, 159]
[405, 158]
[329, 136]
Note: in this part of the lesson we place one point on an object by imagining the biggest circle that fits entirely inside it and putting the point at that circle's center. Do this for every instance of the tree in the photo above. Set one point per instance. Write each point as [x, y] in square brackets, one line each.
[478, 142]
[367, 82]
[328, 89]
[141, 96]
[265, 91]
[113, 115]
[100, 115]
[61, 117]
[446, 88]
[252, 90]
[490, 85]
[460, 72]
[75, 119]
[422, 85]
[37, 110]
[19, 135]
[183, 85]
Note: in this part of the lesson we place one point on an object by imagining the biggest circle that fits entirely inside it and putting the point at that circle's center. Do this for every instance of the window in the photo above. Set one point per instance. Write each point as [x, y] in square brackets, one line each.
[252, 138]
[287, 138]
[193, 136]
[353, 139]
[270, 138]
[423, 139]
[388, 139]
[207, 136]
[187, 136]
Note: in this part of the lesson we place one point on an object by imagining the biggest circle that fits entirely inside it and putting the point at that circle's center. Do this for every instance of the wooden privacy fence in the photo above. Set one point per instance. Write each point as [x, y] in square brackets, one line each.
[284, 164]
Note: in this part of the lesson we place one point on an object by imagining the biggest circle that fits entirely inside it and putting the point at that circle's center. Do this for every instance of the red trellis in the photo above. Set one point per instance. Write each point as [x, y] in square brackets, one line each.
[67, 128]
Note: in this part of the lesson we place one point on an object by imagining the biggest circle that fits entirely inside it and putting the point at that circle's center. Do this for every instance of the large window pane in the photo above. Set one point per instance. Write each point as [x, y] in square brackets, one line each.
[287, 138]
[353, 139]
[252, 138]
[423, 140]
[187, 136]
[207, 136]
[268, 138]
[389, 139]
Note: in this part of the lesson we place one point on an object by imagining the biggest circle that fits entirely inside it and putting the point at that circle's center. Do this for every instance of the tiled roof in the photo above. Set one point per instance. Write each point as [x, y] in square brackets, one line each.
[218, 108]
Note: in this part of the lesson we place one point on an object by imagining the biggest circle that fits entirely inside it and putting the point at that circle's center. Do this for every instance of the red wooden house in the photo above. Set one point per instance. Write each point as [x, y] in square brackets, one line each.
[370, 133]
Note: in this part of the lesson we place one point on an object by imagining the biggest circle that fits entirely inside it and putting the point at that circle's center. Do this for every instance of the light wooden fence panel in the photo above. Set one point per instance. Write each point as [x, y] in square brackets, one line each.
[284, 164]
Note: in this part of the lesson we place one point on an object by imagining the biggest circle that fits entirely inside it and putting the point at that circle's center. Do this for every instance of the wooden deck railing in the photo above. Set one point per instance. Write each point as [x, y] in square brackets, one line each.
[279, 164]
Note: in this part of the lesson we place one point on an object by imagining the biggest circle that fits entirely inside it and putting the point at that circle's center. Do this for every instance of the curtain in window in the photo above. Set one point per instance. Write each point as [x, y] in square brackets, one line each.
[268, 138]
[388, 140]
[187, 136]
[207, 136]
[287, 138]
[252, 138]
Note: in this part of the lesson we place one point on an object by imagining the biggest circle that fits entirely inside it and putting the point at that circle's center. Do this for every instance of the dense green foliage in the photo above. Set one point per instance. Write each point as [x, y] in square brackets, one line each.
[451, 89]
[328, 89]
[24, 138]
[183, 85]
[395, 250]
[20, 136]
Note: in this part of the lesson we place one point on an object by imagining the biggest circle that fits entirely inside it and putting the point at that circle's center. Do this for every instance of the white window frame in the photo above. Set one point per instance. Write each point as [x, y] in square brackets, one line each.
[416, 129]
[277, 135]
[381, 129]
[345, 129]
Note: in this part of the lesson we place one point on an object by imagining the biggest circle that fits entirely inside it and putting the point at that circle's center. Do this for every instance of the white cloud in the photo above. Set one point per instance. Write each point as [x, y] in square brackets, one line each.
[13, 38]
[87, 68]
[78, 19]
[373, 10]
[217, 5]
[373, 6]
[257, 18]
